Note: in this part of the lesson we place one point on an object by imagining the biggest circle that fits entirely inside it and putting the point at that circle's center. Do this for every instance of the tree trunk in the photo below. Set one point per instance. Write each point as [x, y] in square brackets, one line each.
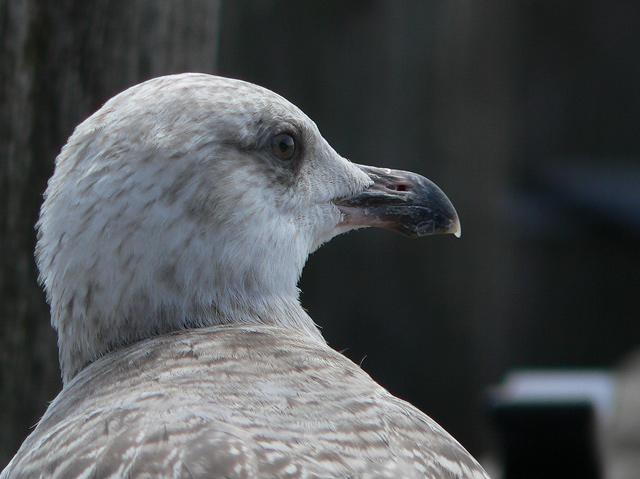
[60, 61]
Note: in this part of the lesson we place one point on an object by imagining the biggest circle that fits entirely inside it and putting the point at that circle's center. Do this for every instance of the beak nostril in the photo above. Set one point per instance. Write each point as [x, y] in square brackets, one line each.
[399, 187]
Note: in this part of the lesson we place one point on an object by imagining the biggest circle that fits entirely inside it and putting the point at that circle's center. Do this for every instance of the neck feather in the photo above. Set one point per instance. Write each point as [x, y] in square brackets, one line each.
[84, 337]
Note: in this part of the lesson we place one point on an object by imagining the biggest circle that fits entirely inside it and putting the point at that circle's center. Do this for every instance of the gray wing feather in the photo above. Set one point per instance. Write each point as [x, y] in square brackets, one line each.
[235, 403]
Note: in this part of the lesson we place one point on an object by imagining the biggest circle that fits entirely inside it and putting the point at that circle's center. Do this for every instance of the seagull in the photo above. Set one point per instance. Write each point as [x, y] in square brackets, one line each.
[170, 243]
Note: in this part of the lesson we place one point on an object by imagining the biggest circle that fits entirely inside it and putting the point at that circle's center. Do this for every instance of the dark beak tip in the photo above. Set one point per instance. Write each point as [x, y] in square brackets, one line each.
[455, 228]
[450, 225]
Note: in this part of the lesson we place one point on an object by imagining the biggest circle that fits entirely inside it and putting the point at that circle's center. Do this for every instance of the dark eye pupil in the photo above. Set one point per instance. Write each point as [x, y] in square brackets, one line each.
[283, 146]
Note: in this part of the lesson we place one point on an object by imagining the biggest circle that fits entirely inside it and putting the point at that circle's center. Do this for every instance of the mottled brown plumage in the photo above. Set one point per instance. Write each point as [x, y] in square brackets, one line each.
[236, 402]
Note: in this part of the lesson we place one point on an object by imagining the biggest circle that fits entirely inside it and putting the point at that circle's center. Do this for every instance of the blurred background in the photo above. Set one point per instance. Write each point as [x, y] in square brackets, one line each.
[526, 113]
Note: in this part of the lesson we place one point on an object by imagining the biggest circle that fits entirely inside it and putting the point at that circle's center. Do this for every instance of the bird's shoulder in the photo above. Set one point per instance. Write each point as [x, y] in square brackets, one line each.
[235, 402]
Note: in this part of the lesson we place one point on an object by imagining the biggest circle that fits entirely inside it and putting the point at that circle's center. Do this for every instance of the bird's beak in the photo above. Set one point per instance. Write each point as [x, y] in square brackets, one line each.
[400, 201]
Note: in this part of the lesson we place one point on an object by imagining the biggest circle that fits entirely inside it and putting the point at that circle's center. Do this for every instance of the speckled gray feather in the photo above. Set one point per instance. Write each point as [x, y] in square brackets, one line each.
[235, 402]
[170, 243]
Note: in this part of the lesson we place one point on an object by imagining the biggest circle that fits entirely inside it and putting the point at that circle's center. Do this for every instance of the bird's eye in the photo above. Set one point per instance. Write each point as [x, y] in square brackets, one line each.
[283, 146]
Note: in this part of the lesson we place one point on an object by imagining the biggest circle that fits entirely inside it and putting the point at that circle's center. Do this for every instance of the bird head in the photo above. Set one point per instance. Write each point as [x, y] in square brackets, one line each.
[193, 200]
